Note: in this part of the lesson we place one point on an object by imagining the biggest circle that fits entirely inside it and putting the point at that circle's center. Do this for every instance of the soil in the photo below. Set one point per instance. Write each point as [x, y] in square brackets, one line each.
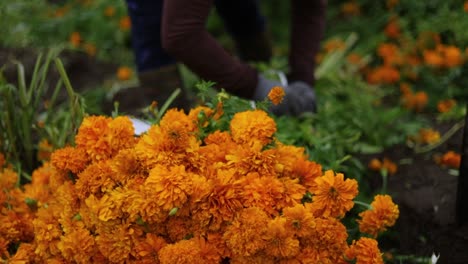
[424, 191]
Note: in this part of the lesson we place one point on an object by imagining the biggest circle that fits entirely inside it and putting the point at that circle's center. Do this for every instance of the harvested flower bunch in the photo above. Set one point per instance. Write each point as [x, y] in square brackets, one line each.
[177, 195]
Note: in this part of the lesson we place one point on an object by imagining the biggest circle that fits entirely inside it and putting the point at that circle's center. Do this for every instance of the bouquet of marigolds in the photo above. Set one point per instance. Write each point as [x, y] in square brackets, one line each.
[183, 193]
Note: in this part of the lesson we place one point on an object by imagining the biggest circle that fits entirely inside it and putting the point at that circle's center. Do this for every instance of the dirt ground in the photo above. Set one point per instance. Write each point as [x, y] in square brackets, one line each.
[424, 191]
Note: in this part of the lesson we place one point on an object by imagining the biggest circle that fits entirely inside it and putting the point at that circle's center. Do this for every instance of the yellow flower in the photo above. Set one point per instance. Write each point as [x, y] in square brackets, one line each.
[333, 196]
[365, 251]
[382, 215]
[249, 126]
[276, 95]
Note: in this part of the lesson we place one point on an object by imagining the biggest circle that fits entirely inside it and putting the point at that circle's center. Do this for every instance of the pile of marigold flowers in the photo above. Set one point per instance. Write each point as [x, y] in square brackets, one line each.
[176, 195]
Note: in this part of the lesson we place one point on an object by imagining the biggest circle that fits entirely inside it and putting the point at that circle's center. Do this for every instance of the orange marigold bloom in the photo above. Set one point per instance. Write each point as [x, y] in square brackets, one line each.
[451, 159]
[276, 95]
[383, 214]
[194, 250]
[306, 171]
[169, 187]
[245, 235]
[444, 106]
[90, 137]
[365, 251]
[124, 73]
[70, 159]
[95, 179]
[8, 179]
[281, 243]
[375, 164]
[116, 243]
[44, 150]
[146, 250]
[249, 126]
[75, 39]
[77, 246]
[299, 220]
[262, 192]
[452, 56]
[385, 74]
[333, 196]
[433, 58]
[125, 23]
[428, 136]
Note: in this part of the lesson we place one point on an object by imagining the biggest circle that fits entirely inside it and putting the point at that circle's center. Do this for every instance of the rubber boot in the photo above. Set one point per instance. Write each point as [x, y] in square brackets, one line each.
[257, 48]
[155, 85]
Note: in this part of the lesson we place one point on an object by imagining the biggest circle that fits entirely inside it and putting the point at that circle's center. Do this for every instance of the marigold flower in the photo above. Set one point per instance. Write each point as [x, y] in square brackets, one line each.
[276, 95]
[281, 243]
[44, 150]
[70, 159]
[428, 136]
[383, 214]
[96, 178]
[433, 58]
[116, 244]
[75, 39]
[365, 251]
[299, 220]
[124, 73]
[169, 187]
[375, 164]
[452, 56]
[262, 192]
[194, 250]
[79, 236]
[249, 126]
[146, 249]
[451, 159]
[444, 106]
[8, 178]
[333, 195]
[125, 23]
[245, 236]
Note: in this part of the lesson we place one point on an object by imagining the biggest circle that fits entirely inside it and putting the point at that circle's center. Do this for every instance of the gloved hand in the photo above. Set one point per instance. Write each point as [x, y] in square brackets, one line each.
[299, 97]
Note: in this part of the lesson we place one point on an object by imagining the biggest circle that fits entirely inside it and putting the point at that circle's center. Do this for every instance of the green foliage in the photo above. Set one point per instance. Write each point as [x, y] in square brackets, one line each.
[30, 112]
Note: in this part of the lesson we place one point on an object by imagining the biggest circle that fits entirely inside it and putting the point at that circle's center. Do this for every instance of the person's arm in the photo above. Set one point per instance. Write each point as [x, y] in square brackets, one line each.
[307, 29]
[185, 37]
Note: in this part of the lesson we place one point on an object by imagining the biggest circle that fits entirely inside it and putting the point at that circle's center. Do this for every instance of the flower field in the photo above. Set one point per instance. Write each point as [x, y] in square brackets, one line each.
[375, 176]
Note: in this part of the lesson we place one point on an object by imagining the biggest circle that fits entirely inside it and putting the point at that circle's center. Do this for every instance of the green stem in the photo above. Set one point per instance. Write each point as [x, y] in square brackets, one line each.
[368, 206]
[167, 104]
[384, 174]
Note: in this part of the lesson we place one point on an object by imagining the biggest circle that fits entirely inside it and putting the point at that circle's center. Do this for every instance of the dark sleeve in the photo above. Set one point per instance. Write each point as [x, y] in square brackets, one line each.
[308, 26]
[185, 37]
